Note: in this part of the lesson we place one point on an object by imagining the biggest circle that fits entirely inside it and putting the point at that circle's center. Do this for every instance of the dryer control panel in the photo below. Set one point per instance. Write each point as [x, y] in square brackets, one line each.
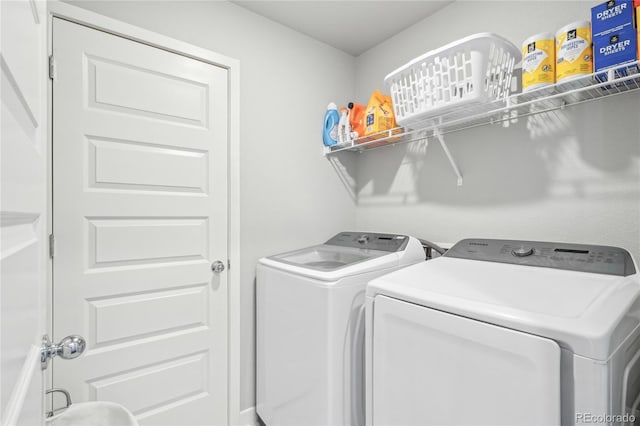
[573, 257]
[370, 240]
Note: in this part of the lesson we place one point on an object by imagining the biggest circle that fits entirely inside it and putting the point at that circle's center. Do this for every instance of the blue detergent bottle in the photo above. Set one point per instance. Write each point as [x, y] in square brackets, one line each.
[331, 120]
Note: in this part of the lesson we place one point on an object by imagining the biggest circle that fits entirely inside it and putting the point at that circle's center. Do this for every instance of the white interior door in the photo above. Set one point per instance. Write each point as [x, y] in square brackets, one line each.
[23, 212]
[140, 214]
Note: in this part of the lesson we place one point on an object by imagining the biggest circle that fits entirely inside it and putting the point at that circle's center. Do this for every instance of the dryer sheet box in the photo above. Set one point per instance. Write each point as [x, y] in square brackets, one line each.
[617, 48]
[612, 16]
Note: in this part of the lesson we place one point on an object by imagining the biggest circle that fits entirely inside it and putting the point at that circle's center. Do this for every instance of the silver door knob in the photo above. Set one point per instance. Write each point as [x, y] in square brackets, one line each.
[217, 266]
[69, 348]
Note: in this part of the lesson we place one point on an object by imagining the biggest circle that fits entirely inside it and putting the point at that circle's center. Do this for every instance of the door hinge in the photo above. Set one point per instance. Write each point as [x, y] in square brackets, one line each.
[52, 68]
[228, 263]
[52, 245]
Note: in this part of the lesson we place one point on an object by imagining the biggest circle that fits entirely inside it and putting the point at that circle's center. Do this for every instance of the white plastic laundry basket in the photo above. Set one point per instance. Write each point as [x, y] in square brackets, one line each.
[469, 72]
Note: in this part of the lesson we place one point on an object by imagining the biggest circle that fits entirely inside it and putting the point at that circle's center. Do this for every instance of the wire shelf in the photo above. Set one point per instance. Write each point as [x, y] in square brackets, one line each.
[576, 91]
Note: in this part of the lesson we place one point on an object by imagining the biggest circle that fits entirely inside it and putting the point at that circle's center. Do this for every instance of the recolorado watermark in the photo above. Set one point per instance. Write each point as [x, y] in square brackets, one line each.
[609, 419]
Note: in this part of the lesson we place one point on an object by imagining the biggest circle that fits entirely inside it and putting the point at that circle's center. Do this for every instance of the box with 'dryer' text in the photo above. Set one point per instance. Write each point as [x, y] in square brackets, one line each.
[615, 48]
[612, 16]
[636, 5]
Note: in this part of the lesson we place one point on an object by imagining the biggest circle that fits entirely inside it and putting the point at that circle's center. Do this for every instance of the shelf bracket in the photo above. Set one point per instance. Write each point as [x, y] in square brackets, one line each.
[454, 166]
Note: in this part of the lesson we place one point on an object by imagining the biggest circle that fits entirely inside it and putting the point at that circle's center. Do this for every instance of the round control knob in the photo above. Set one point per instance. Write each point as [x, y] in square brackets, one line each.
[522, 251]
[363, 239]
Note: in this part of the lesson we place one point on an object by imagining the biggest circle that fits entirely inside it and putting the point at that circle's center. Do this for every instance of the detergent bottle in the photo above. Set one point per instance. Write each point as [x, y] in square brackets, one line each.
[331, 121]
[344, 128]
[379, 114]
[378, 119]
[356, 118]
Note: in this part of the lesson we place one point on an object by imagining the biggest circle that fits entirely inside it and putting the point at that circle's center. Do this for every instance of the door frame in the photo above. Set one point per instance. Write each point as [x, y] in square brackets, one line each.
[56, 9]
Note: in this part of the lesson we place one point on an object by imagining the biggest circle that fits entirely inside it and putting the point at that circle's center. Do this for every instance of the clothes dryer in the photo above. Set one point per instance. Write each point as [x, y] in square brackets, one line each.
[499, 332]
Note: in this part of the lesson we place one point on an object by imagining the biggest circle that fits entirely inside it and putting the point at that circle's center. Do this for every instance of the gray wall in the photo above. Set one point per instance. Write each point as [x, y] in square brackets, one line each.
[573, 175]
[290, 195]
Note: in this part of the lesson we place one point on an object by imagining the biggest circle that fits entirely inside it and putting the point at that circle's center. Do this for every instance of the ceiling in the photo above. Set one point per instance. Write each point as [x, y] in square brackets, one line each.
[353, 26]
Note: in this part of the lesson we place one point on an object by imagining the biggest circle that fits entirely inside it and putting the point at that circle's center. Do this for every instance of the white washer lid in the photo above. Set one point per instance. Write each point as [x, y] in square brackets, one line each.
[329, 263]
[349, 253]
[589, 313]
[326, 258]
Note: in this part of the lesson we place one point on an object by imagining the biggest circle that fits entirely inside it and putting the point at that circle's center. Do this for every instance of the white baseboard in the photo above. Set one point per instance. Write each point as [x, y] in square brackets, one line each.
[249, 417]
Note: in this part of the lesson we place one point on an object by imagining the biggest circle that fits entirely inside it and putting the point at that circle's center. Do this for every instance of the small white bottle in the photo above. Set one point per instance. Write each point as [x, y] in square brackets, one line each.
[344, 128]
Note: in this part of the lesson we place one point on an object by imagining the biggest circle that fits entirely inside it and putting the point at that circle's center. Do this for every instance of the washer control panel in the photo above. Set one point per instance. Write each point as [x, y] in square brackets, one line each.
[368, 240]
[573, 257]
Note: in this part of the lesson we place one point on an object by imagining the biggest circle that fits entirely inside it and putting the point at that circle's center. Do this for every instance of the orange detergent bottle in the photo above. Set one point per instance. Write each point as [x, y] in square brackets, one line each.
[356, 118]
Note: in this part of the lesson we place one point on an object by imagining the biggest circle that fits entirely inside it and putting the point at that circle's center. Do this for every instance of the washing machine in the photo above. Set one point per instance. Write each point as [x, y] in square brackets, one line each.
[499, 332]
[310, 326]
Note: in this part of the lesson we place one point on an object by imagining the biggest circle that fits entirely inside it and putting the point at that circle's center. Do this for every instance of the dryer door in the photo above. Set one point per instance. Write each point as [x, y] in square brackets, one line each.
[432, 367]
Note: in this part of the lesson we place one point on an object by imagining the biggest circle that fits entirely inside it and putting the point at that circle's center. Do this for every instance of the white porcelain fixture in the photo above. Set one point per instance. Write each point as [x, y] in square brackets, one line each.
[310, 326]
[505, 332]
[95, 413]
